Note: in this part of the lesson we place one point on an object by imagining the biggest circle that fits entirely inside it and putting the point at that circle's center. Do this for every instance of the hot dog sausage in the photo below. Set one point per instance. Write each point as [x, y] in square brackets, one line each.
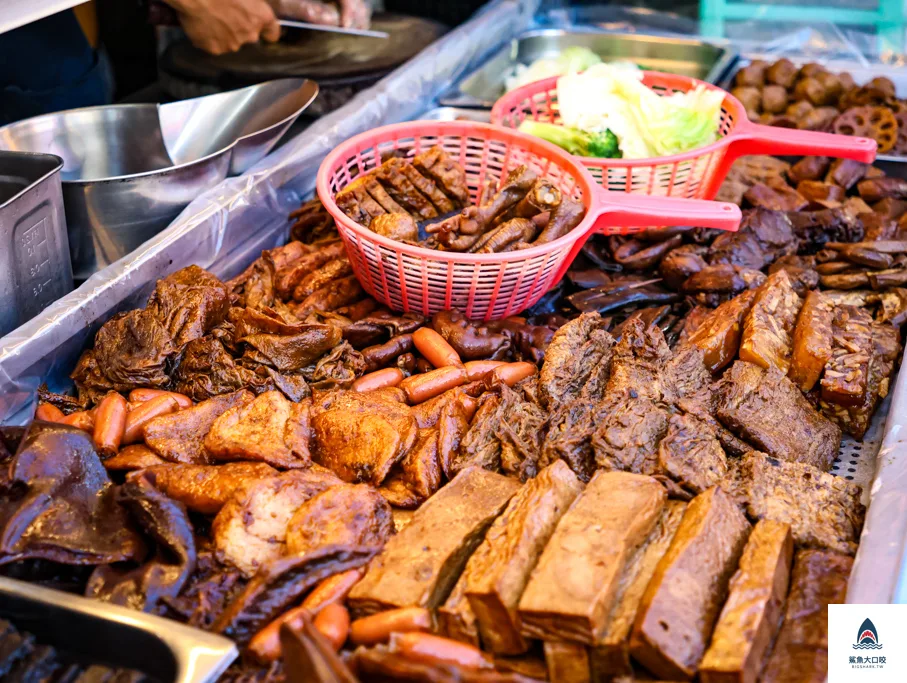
[334, 624]
[425, 647]
[109, 424]
[477, 369]
[333, 589]
[380, 379]
[49, 413]
[377, 628]
[435, 348]
[143, 395]
[82, 419]
[511, 373]
[137, 418]
[265, 645]
[422, 387]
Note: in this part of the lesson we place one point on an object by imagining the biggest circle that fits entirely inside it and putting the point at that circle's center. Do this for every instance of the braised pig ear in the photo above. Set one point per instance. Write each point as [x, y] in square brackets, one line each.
[309, 658]
[166, 572]
[66, 512]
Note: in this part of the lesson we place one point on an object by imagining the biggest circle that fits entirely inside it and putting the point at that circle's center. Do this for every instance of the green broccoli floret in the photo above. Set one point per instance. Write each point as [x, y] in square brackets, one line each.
[579, 142]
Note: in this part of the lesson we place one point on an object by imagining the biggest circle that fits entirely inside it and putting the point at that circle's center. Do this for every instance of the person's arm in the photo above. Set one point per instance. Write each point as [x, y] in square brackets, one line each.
[221, 26]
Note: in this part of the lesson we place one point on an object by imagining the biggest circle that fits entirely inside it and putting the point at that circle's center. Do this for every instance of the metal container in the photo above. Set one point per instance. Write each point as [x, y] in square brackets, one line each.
[34, 261]
[128, 170]
[688, 57]
[100, 633]
[457, 114]
[862, 73]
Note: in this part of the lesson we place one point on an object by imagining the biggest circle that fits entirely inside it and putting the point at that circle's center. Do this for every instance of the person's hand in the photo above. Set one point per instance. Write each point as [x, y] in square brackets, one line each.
[221, 26]
[351, 13]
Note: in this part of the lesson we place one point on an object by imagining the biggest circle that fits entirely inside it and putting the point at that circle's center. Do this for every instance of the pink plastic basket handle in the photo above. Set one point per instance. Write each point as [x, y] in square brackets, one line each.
[616, 210]
[753, 138]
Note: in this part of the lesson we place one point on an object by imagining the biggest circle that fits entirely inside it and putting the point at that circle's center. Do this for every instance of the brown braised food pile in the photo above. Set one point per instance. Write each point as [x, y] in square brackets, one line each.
[633, 476]
[812, 98]
[430, 190]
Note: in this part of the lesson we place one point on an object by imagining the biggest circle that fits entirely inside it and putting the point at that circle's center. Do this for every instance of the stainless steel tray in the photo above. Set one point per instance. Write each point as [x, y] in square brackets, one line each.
[689, 57]
[862, 73]
[106, 634]
[456, 114]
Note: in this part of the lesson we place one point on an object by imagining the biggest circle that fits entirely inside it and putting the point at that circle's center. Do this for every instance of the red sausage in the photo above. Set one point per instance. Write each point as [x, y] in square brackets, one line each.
[265, 645]
[377, 628]
[49, 413]
[333, 589]
[511, 373]
[109, 424]
[477, 369]
[380, 379]
[435, 348]
[424, 647]
[82, 419]
[422, 387]
[137, 418]
[334, 624]
[144, 395]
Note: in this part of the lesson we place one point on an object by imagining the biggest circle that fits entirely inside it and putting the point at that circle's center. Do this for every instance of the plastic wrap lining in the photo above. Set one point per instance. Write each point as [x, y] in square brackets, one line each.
[227, 227]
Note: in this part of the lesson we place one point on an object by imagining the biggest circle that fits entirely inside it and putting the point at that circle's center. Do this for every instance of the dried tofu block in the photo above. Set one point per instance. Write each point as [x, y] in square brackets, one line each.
[682, 601]
[499, 569]
[567, 662]
[456, 620]
[800, 655]
[812, 343]
[420, 565]
[846, 376]
[768, 329]
[886, 349]
[611, 654]
[572, 590]
[752, 614]
[719, 334]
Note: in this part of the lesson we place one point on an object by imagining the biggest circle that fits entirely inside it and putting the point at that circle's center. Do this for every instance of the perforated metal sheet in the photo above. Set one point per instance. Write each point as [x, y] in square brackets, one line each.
[856, 460]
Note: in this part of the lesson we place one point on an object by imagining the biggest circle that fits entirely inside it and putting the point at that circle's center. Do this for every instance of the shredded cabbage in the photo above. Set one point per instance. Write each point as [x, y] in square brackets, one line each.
[613, 96]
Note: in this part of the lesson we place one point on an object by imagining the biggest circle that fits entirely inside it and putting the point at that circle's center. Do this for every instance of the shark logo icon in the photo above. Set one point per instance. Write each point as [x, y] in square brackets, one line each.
[867, 637]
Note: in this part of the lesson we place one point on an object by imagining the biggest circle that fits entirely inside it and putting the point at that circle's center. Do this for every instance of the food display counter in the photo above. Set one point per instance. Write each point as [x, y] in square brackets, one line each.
[261, 448]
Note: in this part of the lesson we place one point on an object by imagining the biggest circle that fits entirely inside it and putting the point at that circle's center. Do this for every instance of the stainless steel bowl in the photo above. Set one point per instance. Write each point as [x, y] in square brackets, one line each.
[128, 170]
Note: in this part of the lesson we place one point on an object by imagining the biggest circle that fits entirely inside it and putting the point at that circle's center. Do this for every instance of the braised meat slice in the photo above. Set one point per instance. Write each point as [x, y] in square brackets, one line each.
[360, 437]
[800, 655]
[349, 514]
[686, 378]
[846, 377]
[189, 303]
[691, 454]
[637, 362]
[610, 656]
[132, 349]
[768, 328]
[419, 566]
[251, 528]
[450, 176]
[520, 429]
[772, 229]
[270, 429]
[719, 333]
[812, 341]
[572, 589]
[627, 435]
[824, 511]
[499, 569]
[64, 508]
[574, 353]
[751, 616]
[205, 488]
[686, 591]
[886, 350]
[816, 228]
[180, 437]
[768, 410]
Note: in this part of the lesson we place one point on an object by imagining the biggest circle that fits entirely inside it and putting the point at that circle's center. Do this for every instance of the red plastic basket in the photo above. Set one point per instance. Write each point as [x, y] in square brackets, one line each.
[696, 174]
[487, 286]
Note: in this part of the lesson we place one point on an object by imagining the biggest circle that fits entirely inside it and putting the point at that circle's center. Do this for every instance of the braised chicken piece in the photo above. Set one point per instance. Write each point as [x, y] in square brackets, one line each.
[436, 164]
[360, 437]
[348, 514]
[418, 475]
[251, 528]
[271, 429]
[205, 488]
[180, 437]
[396, 226]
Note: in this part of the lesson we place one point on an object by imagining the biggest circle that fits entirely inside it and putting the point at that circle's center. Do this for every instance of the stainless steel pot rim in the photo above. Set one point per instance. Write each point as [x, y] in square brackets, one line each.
[176, 167]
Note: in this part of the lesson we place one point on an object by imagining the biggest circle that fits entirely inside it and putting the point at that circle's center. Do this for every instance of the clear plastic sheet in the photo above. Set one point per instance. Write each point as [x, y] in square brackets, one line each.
[227, 227]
